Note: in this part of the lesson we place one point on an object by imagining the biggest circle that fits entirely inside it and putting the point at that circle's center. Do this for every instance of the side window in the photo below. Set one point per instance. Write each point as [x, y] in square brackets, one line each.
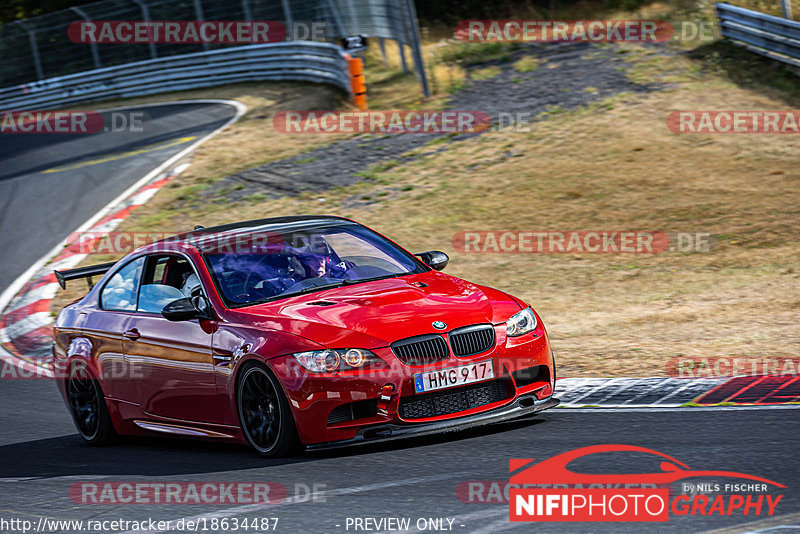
[167, 278]
[119, 292]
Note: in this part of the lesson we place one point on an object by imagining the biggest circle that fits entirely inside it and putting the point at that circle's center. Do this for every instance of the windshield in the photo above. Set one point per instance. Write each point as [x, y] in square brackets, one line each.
[263, 266]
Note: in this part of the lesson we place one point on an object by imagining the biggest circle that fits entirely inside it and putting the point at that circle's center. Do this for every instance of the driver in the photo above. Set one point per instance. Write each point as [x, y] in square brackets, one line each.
[315, 265]
[309, 265]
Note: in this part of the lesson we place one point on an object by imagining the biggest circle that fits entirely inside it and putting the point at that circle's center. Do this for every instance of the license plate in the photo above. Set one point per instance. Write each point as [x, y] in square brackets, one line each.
[453, 376]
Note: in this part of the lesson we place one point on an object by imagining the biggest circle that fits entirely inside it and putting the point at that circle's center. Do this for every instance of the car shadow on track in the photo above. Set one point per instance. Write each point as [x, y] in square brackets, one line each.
[161, 456]
[156, 456]
[433, 439]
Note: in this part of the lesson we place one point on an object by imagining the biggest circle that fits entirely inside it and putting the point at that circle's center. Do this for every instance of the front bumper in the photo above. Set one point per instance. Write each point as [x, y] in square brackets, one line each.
[523, 405]
[314, 397]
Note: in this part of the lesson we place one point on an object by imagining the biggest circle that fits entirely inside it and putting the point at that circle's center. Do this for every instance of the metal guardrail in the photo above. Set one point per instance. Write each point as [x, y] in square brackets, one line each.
[767, 35]
[39, 48]
[295, 61]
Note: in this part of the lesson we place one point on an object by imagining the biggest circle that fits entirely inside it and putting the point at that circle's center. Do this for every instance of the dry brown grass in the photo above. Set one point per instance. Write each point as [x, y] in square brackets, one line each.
[243, 145]
[612, 167]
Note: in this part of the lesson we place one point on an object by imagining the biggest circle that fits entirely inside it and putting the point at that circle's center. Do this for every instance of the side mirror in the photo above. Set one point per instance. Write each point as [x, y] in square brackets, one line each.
[186, 309]
[435, 259]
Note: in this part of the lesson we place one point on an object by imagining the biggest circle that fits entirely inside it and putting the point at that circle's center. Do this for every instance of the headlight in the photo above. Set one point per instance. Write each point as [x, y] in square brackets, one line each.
[328, 361]
[521, 323]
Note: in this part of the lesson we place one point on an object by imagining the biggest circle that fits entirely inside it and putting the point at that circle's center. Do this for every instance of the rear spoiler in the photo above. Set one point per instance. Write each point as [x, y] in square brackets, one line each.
[83, 272]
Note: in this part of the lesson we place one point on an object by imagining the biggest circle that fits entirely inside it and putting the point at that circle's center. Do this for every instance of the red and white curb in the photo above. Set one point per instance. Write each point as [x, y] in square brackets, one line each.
[25, 319]
[656, 392]
[26, 323]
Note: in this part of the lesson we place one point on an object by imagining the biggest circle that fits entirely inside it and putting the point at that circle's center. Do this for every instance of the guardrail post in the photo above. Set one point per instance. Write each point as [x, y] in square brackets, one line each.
[198, 11]
[402, 50]
[382, 45]
[416, 47]
[248, 15]
[400, 36]
[92, 46]
[146, 17]
[37, 60]
[787, 9]
[287, 14]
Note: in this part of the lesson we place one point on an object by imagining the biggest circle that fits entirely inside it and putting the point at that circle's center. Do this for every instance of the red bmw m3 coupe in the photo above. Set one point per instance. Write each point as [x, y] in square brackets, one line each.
[294, 332]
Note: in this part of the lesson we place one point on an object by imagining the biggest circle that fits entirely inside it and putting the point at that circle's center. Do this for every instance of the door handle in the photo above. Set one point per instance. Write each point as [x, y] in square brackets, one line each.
[132, 334]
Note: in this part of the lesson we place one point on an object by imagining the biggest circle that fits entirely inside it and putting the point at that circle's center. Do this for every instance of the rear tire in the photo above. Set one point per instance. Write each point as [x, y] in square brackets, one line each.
[88, 408]
[264, 413]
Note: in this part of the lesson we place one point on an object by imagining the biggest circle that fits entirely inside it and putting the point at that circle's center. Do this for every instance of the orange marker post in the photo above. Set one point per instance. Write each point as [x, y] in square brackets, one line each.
[357, 81]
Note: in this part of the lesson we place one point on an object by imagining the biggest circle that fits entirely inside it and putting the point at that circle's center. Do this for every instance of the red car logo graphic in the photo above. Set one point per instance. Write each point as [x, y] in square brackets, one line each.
[554, 470]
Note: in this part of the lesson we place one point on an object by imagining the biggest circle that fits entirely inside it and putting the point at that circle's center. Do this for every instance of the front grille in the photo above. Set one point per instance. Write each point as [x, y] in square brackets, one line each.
[420, 350]
[453, 400]
[472, 339]
[353, 410]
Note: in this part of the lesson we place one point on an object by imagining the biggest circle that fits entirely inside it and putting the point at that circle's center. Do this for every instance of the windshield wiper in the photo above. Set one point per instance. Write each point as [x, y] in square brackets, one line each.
[339, 283]
[351, 281]
[311, 289]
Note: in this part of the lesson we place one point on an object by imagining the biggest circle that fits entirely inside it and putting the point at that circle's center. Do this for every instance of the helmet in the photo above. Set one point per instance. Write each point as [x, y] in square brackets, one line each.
[313, 263]
[191, 286]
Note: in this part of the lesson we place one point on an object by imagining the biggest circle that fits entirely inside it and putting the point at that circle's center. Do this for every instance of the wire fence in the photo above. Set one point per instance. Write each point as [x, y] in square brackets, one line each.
[40, 48]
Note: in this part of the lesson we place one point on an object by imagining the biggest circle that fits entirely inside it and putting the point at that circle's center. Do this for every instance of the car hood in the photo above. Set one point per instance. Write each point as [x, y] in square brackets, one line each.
[375, 314]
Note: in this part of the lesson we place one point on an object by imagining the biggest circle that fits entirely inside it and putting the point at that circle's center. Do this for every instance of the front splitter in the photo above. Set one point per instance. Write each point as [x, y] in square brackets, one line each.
[520, 407]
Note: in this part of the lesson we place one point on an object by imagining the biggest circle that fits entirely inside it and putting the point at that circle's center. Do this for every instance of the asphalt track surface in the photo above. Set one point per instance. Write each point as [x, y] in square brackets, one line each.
[41, 455]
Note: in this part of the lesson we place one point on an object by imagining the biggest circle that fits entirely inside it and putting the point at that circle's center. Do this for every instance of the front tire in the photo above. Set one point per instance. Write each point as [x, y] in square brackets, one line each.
[88, 407]
[264, 413]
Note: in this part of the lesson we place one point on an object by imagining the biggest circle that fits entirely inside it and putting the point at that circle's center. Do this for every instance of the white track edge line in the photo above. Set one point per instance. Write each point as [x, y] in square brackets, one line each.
[251, 508]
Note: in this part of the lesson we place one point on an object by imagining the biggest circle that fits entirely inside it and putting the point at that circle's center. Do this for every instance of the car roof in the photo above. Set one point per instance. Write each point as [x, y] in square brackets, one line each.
[273, 224]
